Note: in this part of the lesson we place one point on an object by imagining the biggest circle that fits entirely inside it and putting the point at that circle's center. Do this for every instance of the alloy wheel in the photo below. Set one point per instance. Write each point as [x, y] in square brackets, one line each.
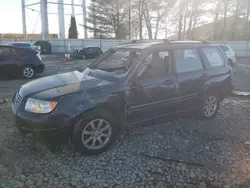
[96, 134]
[210, 106]
[28, 72]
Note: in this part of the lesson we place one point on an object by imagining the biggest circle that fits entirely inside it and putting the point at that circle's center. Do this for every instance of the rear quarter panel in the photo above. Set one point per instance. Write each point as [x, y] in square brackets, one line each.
[219, 81]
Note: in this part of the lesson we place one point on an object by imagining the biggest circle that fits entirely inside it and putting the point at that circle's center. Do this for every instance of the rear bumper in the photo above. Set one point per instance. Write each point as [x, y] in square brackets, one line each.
[40, 68]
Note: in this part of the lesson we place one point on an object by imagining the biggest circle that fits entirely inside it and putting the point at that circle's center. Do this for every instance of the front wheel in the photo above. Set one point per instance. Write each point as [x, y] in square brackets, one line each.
[210, 106]
[94, 133]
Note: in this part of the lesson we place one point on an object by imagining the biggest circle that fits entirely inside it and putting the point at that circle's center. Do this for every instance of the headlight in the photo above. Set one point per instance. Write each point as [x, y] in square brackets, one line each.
[39, 106]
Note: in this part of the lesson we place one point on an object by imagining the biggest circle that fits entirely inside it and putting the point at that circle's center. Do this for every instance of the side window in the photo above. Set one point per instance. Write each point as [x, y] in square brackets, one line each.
[6, 52]
[187, 60]
[155, 64]
[224, 48]
[214, 56]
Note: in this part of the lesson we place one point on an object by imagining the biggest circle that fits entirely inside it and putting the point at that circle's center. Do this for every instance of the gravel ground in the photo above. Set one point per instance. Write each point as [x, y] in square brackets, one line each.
[242, 75]
[178, 153]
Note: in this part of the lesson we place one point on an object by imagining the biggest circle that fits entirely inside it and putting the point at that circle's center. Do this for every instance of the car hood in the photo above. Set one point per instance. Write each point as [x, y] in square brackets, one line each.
[61, 84]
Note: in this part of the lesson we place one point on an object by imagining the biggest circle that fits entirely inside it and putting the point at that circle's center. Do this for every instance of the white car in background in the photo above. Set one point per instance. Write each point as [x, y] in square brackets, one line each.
[229, 53]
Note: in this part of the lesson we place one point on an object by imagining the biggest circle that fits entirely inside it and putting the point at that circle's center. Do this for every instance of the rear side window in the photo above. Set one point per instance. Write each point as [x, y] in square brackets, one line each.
[214, 56]
[187, 60]
[7, 52]
[94, 49]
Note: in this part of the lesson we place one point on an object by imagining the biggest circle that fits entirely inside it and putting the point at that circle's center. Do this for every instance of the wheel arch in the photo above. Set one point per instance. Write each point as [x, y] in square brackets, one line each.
[119, 116]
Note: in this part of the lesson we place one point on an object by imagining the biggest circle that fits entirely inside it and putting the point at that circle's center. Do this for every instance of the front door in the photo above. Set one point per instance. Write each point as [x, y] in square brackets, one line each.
[191, 77]
[154, 93]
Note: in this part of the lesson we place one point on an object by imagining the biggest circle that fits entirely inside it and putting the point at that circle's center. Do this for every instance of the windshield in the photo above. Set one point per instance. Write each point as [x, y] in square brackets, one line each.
[116, 62]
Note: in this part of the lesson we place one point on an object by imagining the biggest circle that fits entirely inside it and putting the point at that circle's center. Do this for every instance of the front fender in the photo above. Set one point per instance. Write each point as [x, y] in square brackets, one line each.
[80, 103]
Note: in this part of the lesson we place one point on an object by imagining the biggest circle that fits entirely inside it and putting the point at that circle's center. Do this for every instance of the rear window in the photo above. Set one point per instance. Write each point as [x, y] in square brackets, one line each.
[23, 45]
[214, 56]
[224, 48]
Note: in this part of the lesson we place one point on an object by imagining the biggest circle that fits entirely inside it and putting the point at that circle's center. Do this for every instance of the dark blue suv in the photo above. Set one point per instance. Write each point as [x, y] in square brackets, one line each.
[20, 61]
[128, 84]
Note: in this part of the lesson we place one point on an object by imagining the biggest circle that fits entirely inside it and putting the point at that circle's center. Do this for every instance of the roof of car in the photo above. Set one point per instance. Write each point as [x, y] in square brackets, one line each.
[143, 45]
[20, 43]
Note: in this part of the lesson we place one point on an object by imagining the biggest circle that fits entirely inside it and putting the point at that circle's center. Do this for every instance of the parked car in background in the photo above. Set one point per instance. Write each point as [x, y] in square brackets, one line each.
[26, 45]
[129, 84]
[231, 55]
[44, 46]
[14, 60]
[86, 53]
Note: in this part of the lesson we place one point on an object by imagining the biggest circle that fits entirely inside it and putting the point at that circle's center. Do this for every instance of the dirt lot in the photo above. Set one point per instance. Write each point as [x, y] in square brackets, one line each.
[179, 153]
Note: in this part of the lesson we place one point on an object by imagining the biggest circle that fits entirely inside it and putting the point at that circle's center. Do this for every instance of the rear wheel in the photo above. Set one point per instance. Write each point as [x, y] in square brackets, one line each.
[95, 132]
[210, 106]
[28, 72]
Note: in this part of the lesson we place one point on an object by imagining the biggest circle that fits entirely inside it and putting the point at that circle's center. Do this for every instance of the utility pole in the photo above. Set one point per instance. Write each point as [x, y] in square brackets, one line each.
[72, 8]
[61, 19]
[24, 19]
[84, 19]
[44, 19]
[129, 20]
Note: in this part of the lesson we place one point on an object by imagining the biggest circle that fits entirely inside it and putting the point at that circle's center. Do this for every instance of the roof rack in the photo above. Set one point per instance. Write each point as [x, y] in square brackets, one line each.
[205, 42]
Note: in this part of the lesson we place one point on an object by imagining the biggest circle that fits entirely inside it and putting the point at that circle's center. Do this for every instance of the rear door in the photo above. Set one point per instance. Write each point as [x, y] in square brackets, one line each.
[191, 77]
[9, 60]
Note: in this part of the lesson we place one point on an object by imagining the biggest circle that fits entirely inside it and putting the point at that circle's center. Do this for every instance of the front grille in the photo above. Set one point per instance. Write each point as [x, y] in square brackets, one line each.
[17, 100]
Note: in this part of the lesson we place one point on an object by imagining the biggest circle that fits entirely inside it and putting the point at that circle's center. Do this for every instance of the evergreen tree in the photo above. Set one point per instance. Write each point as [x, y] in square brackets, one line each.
[73, 34]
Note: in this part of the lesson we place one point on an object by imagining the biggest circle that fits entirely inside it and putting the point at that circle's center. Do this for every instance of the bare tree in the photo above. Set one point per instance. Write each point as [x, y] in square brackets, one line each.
[247, 20]
[216, 16]
[236, 15]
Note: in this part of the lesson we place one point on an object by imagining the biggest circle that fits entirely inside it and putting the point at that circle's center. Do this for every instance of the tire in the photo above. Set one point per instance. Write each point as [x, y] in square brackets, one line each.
[28, 72]
[210, 106]
[83, 132]
[231, 63]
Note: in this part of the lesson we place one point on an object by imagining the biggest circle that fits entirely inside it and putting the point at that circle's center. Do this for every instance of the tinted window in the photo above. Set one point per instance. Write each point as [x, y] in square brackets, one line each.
[213, 56]
[7, 52]
[23, 45]
[224, 48]
[187, 60]
[94, 49]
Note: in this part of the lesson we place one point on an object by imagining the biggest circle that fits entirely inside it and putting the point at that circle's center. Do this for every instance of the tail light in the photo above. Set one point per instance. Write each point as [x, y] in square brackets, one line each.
[39, 56]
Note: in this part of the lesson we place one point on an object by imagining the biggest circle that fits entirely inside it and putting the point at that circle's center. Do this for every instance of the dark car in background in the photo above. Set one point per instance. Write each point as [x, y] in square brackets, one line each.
[86, 53]
[128, 84]
[20, 61]
[26, 45]
[44, 46]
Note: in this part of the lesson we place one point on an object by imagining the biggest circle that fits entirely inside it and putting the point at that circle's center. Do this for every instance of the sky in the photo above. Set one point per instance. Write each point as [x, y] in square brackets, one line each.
[11, 17]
